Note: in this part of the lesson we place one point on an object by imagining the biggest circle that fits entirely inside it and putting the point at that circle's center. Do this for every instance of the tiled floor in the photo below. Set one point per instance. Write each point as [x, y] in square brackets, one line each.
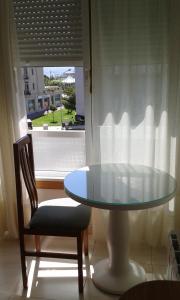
[57, 280]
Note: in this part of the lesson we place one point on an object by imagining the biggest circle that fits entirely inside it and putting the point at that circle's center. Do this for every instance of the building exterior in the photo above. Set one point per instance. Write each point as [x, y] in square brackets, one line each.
[38, 98]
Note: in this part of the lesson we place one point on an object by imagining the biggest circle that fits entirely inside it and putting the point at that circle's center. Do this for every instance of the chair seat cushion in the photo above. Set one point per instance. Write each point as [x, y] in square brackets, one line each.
[60, 216]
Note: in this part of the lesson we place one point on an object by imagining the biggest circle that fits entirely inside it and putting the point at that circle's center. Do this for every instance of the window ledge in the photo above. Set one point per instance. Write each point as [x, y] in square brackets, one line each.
[50, 179]
[50, 175]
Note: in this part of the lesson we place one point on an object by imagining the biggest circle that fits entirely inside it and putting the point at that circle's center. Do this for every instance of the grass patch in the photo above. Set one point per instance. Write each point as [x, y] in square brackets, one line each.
[59, 117]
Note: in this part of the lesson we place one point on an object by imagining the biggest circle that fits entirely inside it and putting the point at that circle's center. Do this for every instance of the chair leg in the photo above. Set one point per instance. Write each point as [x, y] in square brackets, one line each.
[37, 243]
[23, 260]
[80, 266]
[85, 240]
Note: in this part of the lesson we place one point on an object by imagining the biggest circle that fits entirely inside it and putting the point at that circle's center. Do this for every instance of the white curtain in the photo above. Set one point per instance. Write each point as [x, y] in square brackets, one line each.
[135, 97]
[12, 118]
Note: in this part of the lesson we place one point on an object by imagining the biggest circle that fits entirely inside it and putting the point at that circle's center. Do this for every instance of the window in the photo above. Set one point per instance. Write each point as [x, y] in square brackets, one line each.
[31, 105]
[26, 89]
[61, 87]
[50, 34]
[25, 73]
[40, 104]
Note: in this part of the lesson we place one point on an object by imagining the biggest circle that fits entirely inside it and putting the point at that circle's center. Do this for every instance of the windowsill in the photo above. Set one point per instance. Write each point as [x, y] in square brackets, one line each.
[50, 175]
[50, 180]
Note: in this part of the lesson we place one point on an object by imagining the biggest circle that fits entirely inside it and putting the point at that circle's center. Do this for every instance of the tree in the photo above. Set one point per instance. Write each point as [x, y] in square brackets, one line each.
[68, 90]
[69, 102]
[51, 81]
[53, 108]
[46, 80]
[54, 82]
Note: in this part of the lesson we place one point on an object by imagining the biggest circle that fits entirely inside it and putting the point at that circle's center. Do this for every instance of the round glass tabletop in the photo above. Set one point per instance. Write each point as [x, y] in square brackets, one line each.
[122, 186]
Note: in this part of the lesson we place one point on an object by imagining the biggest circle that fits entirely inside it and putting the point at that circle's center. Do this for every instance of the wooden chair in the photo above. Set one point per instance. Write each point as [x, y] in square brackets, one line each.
[50, 218]
[154, 290]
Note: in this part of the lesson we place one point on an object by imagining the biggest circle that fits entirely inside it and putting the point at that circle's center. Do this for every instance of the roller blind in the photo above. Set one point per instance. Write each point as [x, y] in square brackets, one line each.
[49, 32]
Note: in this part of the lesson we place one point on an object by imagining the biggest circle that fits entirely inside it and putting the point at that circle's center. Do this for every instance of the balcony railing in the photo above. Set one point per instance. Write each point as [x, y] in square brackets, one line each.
[57, 152]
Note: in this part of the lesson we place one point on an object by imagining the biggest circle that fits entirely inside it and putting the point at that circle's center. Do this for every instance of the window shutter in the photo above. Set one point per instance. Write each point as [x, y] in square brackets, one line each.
[49, 32]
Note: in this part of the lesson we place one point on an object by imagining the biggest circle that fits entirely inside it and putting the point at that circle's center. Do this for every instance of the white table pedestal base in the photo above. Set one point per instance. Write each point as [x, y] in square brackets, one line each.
[117, 273]
[109, 283]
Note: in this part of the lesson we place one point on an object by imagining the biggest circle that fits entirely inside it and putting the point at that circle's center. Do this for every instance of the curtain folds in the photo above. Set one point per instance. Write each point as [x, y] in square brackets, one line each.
[12, 118]
[135, 97]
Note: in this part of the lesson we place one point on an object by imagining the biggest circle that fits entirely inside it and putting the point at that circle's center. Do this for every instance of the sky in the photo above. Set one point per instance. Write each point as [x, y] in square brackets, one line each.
[55, 70]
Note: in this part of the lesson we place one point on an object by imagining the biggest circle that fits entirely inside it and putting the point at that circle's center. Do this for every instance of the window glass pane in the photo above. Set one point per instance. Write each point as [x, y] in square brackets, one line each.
[54, 99]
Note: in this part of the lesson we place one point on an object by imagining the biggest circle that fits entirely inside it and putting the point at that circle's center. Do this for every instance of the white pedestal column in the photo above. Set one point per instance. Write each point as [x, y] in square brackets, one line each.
[117, 273]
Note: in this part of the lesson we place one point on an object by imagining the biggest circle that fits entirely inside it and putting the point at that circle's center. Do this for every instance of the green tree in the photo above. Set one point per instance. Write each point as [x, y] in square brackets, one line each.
[55, 82]
[46, 80]
[53, 108]
[51, 81]
[68, 90]
[69, 102]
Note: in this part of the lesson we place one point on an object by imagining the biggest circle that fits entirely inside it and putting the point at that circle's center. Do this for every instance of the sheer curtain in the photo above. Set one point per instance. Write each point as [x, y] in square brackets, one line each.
[135, 95]
[12, 118]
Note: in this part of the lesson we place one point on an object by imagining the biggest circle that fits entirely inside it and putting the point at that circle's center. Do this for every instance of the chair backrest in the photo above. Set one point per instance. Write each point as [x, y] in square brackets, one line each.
[154, 290]
[24, 171]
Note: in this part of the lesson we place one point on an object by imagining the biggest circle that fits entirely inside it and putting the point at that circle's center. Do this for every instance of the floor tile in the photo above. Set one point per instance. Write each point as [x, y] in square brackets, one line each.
[149, 276]
[141, 254]
[50, 279]
[159, 271]
[159, 256]
[57, 279]
[91, 292]
[148, 268]
[100, 249]
[10, 270]
[5, 295]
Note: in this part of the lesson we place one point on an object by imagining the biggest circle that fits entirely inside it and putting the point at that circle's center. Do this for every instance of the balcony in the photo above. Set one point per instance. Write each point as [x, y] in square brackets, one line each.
[57, 152]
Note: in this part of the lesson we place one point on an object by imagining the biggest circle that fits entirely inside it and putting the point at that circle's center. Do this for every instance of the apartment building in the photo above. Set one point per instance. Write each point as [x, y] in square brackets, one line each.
[37, 98]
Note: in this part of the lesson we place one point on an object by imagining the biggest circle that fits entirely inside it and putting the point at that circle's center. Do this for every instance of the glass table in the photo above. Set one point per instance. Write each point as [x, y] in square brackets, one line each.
[119, 188]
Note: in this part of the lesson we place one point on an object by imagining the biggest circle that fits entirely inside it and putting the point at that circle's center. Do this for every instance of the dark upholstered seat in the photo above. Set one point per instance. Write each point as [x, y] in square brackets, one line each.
[60, 219]
[57, 217]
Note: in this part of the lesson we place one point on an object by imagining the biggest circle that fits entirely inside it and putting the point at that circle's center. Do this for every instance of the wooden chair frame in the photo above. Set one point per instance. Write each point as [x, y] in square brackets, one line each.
[24, 147]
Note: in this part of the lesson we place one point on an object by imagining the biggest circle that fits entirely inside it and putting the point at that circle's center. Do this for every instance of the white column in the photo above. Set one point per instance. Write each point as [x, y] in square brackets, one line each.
[117, 242]
[117, 273]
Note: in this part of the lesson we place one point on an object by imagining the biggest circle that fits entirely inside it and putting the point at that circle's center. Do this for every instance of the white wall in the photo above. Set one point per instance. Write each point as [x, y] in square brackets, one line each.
[79, 87]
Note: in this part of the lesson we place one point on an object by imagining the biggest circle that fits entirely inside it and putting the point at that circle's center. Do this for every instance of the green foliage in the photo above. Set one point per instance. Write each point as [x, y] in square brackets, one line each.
[69, 102]
[46, 80]
[68, 90]
[53, 108]
[55, 82]
[59, 116]
[51, 81]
